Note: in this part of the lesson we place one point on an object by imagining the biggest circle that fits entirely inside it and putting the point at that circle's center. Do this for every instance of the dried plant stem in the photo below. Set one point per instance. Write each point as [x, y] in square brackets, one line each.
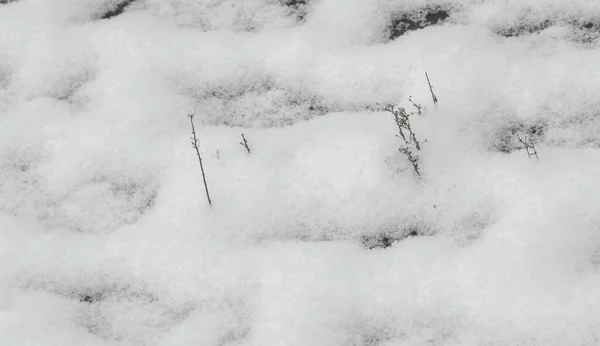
[418, 107]
[244, 143]
[405, 132]
[412, 158]
[435, 100]
[529, 146]
[195, 144]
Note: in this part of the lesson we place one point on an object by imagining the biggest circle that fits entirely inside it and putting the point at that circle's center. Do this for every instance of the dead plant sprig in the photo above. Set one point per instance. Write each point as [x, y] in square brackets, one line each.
[244, 143]
[529, 146]
[195, 144]
[435, 99]
[406, 133]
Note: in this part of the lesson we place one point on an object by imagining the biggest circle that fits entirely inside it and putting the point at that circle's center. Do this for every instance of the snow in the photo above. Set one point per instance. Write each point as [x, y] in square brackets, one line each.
[323, 234]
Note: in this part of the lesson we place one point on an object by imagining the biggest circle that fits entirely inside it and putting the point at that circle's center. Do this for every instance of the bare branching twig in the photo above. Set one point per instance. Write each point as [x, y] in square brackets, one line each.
[529, 146]
[418, 107]
[195, 144]
[244, 143]
[406, 133]
[412, 158]
[435, 100]
[401, 117]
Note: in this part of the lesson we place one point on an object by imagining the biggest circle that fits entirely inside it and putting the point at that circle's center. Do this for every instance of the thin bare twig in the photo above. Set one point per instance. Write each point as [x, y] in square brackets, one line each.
[413, 159]
[195, 144]
[244, 143]
[402, 120]
[418, 107]
[528, 143]
[435, 100]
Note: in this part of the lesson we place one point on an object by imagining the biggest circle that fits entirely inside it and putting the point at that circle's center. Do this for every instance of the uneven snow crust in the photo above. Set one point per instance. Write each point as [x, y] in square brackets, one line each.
[323, 235]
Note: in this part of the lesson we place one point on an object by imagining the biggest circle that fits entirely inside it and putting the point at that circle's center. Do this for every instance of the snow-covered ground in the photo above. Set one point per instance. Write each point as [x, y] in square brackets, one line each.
[323, 235]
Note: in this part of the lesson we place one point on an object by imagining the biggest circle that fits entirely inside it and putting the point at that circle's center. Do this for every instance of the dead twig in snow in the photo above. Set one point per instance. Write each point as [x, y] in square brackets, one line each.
[412, 158]
[244, 143]
[418, 107]
[435, 100]
[195, 144]
[528, 143]
[405, 132]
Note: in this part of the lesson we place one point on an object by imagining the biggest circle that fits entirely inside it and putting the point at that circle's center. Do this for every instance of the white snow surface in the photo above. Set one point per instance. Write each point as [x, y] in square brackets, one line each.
[106, 237]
